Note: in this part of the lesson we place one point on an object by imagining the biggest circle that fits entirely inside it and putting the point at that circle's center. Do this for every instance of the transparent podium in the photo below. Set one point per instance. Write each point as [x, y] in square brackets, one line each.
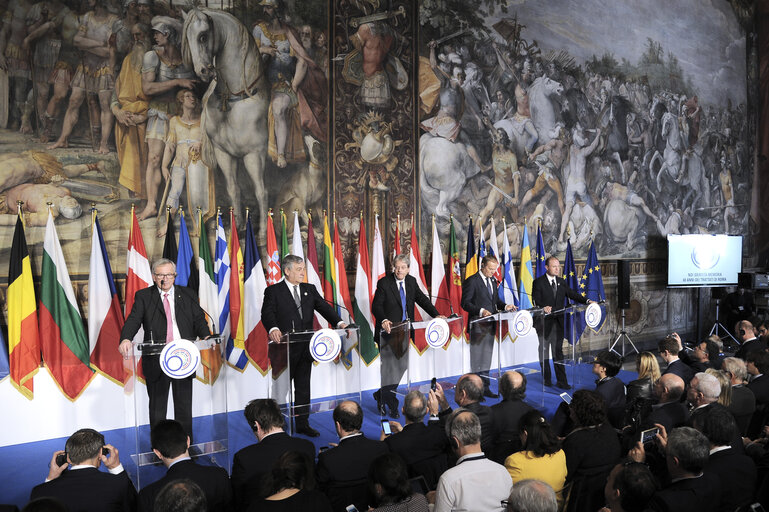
[298, 355]
[206, 371]
[573, 318]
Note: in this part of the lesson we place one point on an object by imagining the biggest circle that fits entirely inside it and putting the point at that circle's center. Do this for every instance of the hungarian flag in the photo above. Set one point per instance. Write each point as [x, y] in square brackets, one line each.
[237, 329]
[397, 240]
[362, 302]
[138, 277]
[66, 351]
[311, 265]
[170, 251]
[416, 270]
[186, 271]
[23, 336]
[210, 359]
[471, 260]
[256, 341]
[105, 319]
[378, 270]
[273, 256]
[455, 280]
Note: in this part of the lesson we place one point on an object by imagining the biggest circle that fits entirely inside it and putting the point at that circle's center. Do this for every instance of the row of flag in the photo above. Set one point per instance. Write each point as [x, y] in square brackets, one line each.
[230, 287]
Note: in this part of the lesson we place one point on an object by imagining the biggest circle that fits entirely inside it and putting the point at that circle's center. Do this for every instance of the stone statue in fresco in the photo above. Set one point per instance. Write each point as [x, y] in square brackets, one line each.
[14, 59]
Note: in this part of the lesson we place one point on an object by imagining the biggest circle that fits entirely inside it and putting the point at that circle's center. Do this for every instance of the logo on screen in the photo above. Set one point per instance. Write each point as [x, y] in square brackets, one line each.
[705, 256]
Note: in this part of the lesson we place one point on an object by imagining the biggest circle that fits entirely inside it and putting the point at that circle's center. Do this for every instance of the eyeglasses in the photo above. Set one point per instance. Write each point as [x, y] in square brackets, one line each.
[166, 276]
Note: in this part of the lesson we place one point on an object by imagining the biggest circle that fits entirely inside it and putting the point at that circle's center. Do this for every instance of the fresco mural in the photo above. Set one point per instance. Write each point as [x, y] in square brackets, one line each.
[613, 120]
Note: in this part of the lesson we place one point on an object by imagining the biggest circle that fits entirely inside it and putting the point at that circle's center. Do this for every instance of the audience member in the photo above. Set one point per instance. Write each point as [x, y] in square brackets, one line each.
[532, 496]
[507, 414]
[648, 373]
[592, 449]
[171, 444]
[291, 487]
[669, 347]
[704, 355]
[748, 338]
[475, 483]
[743, 403]
[606, 366]
[758, 366]
[542, 457]
[468, 394]
[342, 469]
[668, 411]
[252, 464]
[38, 505]
[181, 496]
[389, 484]
[703, 390]
[725, 398]
[422, 447]
[735, 470]
[629, 488]
[83, 487]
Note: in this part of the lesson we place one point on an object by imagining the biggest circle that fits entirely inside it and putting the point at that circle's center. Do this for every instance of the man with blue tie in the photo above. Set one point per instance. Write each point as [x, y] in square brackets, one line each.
[480, 299]
[394, 300]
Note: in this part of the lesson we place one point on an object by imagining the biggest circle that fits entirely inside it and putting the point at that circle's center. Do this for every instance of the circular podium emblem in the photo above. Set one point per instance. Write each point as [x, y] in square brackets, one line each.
[593, 315]
[522, 323]
[179, 359]
[325, 345]
[437, 332]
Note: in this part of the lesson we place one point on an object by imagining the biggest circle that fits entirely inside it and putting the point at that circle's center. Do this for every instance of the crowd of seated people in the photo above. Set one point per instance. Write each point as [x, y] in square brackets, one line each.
[689, 434]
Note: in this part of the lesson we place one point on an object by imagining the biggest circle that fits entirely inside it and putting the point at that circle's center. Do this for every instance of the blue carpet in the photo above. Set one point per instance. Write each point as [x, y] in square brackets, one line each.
[25, 465]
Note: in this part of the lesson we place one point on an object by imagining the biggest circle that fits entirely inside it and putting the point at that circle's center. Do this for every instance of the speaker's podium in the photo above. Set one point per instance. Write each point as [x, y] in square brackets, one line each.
[327, 352]
[200, 361]
[576, 318]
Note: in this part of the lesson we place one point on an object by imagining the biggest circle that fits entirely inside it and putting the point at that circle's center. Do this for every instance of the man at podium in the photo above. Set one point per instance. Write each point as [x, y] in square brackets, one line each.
[289, 306]
[166, 312]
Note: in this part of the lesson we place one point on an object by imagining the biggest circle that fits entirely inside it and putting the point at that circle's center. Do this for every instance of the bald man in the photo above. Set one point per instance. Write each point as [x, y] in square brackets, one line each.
[669, 411]
[468, 394]
[507, 413]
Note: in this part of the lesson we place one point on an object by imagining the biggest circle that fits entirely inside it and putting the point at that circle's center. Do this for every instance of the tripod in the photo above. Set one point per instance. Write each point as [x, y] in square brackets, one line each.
[717, 325]
[624, 337]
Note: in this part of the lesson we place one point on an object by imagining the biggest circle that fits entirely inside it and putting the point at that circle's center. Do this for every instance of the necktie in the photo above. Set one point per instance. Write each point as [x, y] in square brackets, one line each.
[297, 300]
[169, 318]
[489, 288]
[403, 302]
[555, 287]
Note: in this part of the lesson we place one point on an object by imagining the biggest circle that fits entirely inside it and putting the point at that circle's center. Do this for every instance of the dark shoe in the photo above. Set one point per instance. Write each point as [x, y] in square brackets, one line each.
[394, 414]
[562, 385]
[548, 383]
[307, 430]
[487, 392]
[380, 406]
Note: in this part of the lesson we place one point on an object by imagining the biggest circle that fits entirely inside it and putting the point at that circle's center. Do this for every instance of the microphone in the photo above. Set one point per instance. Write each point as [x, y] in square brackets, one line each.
[451, 306]
[351, 325]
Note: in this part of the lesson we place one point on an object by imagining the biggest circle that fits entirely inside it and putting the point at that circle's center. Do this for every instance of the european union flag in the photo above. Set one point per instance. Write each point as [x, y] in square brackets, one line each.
[541, 255]
[575, 321]
[593, 283]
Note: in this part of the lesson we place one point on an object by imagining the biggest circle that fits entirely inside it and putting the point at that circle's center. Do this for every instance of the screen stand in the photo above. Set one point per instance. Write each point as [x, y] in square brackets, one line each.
[622, 336]
[717, 325]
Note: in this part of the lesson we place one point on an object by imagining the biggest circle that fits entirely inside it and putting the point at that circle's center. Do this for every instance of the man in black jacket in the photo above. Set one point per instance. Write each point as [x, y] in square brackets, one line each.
[166, 312]
[171, 444]
[393, 303]
[507, 414]
[669, 411]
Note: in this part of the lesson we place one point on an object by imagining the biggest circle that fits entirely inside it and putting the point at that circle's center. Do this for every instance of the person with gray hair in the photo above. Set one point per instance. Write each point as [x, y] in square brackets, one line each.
[475, 482]
[704, 389]
[532, 496]
[165, 312]
[743, 403]
[181, 496]
[392, 306]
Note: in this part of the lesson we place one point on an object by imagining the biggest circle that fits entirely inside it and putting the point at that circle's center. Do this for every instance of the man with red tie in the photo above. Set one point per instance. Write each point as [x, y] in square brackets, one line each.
[166, 312]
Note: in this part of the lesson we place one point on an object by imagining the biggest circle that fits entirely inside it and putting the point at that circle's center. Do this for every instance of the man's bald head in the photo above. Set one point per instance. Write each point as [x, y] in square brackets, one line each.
[349, 416]
[669, 387]
[512, 385]
[469, 389]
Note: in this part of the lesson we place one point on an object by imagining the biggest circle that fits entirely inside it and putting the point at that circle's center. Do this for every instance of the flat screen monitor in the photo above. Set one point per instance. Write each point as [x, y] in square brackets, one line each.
[704, 260]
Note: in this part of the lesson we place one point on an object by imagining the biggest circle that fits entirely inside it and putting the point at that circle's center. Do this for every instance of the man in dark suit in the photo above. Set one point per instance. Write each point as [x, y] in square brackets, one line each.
[549, 292]
[669, 411]
[289, 306]
[507, 414]
[758, 368]
[342, 470]
[253, 463]
[480, 299]
[83, 486]
[393, 303]
[749, 342]
[422, 447]
[669, 347]
[166, 312]
[171, 444]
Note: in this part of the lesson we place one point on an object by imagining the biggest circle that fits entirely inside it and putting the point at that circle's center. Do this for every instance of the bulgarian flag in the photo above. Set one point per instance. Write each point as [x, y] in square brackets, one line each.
[210, 359]
[105, 319]
[273, 256]
[65, 346]
[363, 297]
[237, 336]
[23, 336]
[416, 270]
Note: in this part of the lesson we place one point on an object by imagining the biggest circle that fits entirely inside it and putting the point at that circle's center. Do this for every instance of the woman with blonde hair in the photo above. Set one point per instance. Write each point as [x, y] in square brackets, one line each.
[725, 398]
[648, 373]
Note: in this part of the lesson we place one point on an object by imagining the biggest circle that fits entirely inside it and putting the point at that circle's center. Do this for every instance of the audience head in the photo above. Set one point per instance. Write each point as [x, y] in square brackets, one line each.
[469, 389]
[588, 408]
[668, 348]
[181, 496]
[536, 434]
[725, 397]
[263, 416]
[669, 388]
[45, 505]
[715, 338]
[706, 351]
[348, 418]
[463, 429]
[169, 440]
[757, 362]
[293, 470]
[414, 406]
[630, 487]
[763, 328]
[716, 423]
[607, 364]
[84, 447]
[532, 496]
[687, 452]
[647, 366]
[388, 479]
[512, 385]
[703, 389]
[736, 370]
[745, 330]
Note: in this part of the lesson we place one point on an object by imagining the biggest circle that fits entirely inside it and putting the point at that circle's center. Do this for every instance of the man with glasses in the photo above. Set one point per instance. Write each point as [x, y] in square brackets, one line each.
[167, 313]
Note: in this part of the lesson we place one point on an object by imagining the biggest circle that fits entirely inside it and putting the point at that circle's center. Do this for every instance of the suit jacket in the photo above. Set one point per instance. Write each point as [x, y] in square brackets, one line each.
[475, 296]
[613, 392]
[486, 417]
[760, 388]
[737, 474]
[507, 414]
[701, 494]
[681, 369]
[542, 294]
[670, 415]
[88, 489]
[591, 451]
[387, 301]
[213, 480]
[279, 309]
[423, 449]
[742, 407]
[749, 347]
[252, 463]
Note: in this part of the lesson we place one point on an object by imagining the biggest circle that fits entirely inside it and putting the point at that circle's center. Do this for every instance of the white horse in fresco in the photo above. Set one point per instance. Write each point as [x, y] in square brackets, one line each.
[218, 47]
[543, 112]
[669, 174]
